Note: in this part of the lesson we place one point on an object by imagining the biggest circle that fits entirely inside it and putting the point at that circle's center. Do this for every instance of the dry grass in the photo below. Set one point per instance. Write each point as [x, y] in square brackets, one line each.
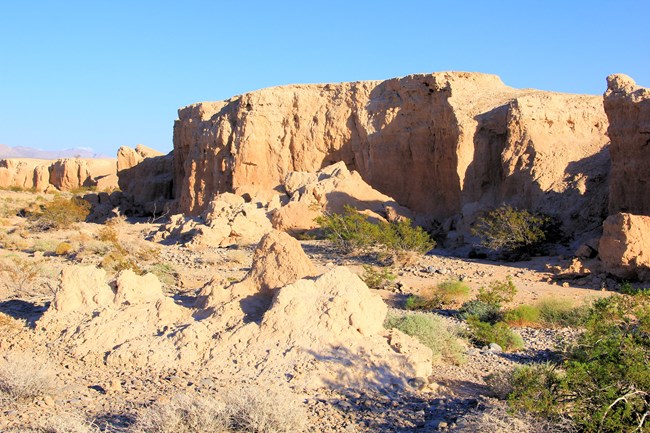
[60, 423]
[246, 409]
[497, 418]
[23, 377]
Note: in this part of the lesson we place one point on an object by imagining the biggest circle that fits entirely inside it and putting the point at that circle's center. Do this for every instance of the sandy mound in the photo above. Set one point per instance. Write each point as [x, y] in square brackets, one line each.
[279, 323]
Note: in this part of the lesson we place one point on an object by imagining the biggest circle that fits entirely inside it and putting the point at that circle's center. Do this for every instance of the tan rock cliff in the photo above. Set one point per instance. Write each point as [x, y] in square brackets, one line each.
[628, 110]
[441, 144]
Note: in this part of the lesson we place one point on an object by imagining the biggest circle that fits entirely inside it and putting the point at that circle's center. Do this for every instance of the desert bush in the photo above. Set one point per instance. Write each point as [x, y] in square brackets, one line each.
[377, 278]
[68, 422]
[60, 213]
[482, 311]
[45, 245]
[20, 275]
[166, 273]
[117, 260]
[562, 313]
[64, 248]
[351, 231]
[497, 292]
[23, 377]
[515, 233]
[605, 386]
[444, 295]
[523, 315]
[484, 333]
[534, 388]
[247, 409]
[183, 414]
[433, 332]
[108, 233]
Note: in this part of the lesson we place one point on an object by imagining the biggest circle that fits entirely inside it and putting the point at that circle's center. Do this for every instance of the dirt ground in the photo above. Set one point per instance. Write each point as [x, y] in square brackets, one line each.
[112, 397]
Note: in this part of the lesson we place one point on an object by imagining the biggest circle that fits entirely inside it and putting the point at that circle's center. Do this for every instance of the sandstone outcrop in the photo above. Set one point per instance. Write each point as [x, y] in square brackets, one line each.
[628, 110]
[146, 179]
[329, 190]
[229, 220]
[62, 174]
[445, 145]
[625, 246]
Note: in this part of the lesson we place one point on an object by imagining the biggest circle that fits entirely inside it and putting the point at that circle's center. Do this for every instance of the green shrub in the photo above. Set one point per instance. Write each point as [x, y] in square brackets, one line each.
[444, 295]
[482, 311]
[377, 278]
[165, 273]
[523, 315]
[483, 333]
[351, 231]
[608, 372]
[562, 313]
[606, 384]
[60, 213]
[515, 233]
[431, 331]
[497, 292]
[535, 389]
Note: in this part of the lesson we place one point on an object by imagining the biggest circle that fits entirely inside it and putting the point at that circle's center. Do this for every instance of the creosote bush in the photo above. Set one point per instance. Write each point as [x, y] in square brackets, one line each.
[605, 386]
[431, 331]
[351, 232]
[60, 213]
[484, 333]
[515, 233]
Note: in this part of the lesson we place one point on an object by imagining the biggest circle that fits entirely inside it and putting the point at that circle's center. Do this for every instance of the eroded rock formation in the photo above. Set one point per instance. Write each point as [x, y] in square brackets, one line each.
[625, 244]
[443, 144]
[62, 174]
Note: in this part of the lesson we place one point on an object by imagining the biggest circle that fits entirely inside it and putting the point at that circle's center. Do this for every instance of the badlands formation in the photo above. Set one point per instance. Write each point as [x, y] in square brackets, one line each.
[205, 287]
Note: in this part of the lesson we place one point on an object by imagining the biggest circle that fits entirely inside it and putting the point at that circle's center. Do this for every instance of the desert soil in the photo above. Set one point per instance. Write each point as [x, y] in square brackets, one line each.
[113, 397]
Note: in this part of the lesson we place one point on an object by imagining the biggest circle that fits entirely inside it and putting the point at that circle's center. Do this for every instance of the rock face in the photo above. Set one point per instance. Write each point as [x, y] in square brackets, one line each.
[146, 179]
[443, 144]
[625, 246]
[62, 174]
[628, 110]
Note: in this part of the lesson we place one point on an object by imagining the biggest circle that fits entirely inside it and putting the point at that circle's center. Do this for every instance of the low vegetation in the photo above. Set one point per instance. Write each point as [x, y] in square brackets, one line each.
[377, 278]
[514, 233]
[603, 385]
[352, 231]
[433, 332]
[246, 409]
[22, 377]
[59, 213]
[549, 312]
[446, 294]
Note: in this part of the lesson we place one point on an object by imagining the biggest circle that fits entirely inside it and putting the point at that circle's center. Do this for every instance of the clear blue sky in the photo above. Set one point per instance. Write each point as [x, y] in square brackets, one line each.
[103, 74]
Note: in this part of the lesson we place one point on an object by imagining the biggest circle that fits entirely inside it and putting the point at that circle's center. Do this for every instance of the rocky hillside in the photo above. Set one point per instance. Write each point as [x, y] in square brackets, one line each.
[445, 145]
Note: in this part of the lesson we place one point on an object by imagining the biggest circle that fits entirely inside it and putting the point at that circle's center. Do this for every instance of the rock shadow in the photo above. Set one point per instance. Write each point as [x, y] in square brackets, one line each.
[22, 310]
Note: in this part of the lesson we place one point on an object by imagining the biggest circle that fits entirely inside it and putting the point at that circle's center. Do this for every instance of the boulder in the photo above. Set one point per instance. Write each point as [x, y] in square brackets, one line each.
[82, 288]
[278, 260]
[625, 246]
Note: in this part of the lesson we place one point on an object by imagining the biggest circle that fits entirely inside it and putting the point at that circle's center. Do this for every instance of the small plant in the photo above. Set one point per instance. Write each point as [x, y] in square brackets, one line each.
[497, 292]
[64, 248]
[535, 389]
[562, 313]
[523, 315]
[377, 278]
[22, 377]
[351, 231]
[484, 312]
[60, 213]
[20, 274]
[165, 273]
[431, 331]
[484, 333]
[515, 233]
[117, 260]
[444, 295]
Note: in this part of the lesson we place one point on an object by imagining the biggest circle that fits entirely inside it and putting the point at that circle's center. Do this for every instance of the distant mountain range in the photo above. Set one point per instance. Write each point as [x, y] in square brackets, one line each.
[29, 152]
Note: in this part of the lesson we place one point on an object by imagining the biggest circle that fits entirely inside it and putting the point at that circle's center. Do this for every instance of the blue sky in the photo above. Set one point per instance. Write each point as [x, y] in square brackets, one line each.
[103, 74]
